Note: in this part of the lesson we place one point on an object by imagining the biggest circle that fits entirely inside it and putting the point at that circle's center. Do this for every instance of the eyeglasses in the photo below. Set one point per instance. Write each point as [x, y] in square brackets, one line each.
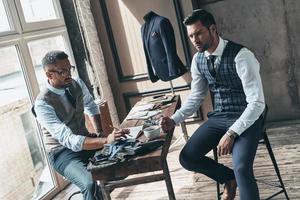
[64, 72]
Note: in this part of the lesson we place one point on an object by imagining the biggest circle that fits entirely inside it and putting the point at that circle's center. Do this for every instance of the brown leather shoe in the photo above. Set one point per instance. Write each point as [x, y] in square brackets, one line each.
[229, 190]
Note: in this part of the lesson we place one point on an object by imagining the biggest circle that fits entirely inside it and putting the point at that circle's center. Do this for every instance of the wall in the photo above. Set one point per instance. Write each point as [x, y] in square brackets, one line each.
[126, 18]
[270, 29]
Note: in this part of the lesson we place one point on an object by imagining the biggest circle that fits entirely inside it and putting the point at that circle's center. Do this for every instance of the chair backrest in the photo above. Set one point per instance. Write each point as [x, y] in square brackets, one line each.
[264, 128]
[265, 114]
[106, 122]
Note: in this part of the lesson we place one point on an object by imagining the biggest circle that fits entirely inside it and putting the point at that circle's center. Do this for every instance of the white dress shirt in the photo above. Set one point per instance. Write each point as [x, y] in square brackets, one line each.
[247, 68]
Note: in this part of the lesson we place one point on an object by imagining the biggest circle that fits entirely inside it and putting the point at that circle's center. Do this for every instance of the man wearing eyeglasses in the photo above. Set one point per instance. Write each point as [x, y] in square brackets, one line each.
[60, 109]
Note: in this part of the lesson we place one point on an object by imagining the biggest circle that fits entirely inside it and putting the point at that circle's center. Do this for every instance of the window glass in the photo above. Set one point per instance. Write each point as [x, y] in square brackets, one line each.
[23, 165]
[10, 74]
[24, 171]
[39, 10]
[4, 22]
[38, 48]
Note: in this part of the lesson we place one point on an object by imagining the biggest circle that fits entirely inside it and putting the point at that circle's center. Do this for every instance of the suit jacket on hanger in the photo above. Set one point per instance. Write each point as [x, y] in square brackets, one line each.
[160, 49]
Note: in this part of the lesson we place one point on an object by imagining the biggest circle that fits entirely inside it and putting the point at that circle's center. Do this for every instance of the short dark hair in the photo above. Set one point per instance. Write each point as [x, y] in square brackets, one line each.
[52, 56]
[206, 18]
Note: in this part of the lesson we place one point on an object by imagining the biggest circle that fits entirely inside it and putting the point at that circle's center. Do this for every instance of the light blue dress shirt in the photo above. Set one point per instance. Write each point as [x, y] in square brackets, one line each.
[58, 130]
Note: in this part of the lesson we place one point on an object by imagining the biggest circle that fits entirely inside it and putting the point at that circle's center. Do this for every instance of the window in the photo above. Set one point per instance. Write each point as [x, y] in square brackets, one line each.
[28, 29]
[22, 162]
[38, 48]
[4, 23]
[36, 10]
[32, 140]
[11, 78]
[39, 14]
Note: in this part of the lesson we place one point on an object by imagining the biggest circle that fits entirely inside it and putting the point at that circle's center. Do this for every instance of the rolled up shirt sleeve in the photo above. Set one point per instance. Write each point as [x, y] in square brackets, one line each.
[247, 68]
[48, 119]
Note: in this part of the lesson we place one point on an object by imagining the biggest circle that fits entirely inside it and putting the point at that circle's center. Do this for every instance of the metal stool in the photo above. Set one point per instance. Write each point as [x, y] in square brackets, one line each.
[264, 140]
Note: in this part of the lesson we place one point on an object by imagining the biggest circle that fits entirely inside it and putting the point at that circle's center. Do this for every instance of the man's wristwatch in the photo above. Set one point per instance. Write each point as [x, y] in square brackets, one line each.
[99, 134]
[231, 134]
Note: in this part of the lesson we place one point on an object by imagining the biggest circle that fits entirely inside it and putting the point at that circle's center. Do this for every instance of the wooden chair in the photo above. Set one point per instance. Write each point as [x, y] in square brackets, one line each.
[264, 140]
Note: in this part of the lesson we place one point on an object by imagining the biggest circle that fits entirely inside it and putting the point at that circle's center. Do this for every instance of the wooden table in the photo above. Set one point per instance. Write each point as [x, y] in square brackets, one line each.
[153, 161]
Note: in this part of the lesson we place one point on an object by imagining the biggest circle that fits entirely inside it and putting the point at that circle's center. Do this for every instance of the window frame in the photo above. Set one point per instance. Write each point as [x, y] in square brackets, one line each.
[56, 181]
[43, 34]
[12, 17]
[32, 26]
[19, 37]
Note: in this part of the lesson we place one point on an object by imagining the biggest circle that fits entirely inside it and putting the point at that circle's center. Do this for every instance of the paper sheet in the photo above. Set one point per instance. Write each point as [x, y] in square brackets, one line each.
[134, 131]
[143, 114]
[143, 107]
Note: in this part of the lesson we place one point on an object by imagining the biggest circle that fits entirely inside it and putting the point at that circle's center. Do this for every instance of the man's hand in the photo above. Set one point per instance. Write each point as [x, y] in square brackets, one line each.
[225, 145]
[116, 135]
[167, 124]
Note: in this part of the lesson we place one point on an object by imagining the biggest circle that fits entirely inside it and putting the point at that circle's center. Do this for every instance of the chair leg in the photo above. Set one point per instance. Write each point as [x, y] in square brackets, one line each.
[271, 154]
[70, 197]
[217, 183]
[104, 191]
[184, 131]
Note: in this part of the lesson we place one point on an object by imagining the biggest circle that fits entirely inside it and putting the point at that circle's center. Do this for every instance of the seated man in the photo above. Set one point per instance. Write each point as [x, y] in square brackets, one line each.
[231, 73]
[60, 110]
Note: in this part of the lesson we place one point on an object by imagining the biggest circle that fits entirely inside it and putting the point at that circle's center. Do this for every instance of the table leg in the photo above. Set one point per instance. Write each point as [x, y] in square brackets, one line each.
[168, 180]
[104, 191]
[183, 135]
[184, 131]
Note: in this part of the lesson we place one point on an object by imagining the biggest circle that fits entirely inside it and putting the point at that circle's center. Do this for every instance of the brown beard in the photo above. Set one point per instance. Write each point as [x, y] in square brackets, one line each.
[208, 44]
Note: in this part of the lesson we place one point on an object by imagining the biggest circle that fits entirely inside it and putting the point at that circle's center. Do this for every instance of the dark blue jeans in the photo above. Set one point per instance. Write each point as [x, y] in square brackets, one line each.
[72, 165]
[207, 137]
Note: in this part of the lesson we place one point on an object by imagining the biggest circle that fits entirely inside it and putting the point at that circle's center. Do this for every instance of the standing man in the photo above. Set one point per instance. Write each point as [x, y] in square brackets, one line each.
[60, 110]
[231, 73]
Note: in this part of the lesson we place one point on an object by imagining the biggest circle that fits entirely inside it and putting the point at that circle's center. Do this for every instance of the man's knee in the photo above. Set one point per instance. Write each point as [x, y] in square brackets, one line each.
[82, 179]
[243, 170]
[90, 190]
[186, 160]
[89, 185]
[183, 160]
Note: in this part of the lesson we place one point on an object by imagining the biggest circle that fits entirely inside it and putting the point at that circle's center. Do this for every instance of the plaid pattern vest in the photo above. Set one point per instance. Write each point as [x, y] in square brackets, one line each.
[226, 88]
[72, 117]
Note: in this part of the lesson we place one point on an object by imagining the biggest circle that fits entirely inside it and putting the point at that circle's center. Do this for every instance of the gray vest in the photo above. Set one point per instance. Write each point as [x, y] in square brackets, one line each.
[72, 117]
[226, 88]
